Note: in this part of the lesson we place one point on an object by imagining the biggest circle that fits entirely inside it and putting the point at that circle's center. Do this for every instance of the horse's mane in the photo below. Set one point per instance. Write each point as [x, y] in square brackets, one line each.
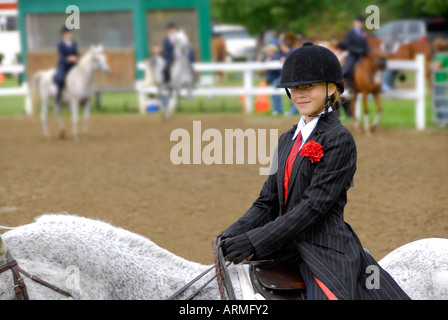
[2, 242]
[2, 248]
[87, 57]
[84, 60]
[109, 235]
[120, 263]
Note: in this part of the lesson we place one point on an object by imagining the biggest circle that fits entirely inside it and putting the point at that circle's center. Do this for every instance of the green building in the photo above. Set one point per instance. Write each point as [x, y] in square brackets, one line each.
[127, 29]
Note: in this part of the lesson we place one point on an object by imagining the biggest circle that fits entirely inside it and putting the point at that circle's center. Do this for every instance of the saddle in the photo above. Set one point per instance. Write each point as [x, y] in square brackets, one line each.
[277, 280]
[272, 279]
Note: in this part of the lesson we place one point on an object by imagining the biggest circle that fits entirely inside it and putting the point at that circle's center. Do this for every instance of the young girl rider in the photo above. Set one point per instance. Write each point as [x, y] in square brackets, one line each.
[68, 57]
[298, 216]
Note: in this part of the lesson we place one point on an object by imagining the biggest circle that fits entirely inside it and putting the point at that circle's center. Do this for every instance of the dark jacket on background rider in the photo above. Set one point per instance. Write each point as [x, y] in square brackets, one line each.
[64, 66]
[357, 47]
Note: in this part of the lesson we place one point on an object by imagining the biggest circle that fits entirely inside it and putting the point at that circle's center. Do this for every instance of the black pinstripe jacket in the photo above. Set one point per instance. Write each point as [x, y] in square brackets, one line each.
[313, 226]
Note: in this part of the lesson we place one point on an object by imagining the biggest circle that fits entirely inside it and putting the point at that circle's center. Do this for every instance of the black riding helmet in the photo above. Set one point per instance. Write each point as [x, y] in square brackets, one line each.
[311, 64]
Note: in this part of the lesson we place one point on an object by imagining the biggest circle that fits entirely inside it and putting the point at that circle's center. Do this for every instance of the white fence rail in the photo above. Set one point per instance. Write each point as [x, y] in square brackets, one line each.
[249, 90]
[17, 91]
[417, 94]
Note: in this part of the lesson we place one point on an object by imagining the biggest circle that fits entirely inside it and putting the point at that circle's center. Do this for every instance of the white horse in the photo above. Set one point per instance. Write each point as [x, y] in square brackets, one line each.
[420, 268]
[181, 74]
[94, 260]
[78, 90]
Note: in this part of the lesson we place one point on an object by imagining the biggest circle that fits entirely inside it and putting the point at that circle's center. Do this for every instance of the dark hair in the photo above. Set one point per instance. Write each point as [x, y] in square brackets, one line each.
[360, 17]
[171, 25]
[64, 29]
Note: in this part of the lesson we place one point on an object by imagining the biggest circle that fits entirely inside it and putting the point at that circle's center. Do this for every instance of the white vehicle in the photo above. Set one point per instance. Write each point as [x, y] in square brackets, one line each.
[9, 35]
[414, 29]
[240, 45]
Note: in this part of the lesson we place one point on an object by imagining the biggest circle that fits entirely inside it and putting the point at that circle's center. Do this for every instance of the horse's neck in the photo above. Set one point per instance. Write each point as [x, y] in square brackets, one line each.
[84, 68]
[100, 246]
[368, 62]
[109, 236]
[179, 51]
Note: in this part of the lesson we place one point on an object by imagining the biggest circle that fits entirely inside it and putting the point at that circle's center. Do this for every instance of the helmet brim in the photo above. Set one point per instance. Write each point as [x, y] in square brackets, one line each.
[339, 85]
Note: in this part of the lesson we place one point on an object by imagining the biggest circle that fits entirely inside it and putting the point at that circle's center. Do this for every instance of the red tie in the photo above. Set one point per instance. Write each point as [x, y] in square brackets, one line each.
[290, 161]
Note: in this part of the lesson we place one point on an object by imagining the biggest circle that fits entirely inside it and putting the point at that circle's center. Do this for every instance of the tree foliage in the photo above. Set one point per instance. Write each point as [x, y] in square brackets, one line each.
[326, 18]
[260, 15]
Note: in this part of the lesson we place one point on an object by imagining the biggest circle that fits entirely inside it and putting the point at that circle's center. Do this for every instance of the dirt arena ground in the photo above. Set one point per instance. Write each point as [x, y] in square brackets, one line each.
[123, 174]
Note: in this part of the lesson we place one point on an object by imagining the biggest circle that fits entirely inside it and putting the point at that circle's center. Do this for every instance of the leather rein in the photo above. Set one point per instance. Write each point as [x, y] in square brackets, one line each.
[19, 284]
[222, 276]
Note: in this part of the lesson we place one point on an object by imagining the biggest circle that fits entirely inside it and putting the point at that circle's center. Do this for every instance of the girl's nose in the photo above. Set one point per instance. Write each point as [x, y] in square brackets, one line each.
[298, 93]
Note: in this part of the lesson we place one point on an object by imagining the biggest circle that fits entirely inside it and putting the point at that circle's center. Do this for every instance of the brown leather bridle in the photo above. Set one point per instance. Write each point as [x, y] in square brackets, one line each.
[222, 274]
[19, 284]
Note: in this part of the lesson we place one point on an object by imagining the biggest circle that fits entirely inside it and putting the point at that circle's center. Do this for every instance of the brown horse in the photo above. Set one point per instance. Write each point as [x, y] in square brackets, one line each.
[408, 51]
[367, 79]
[398, 50]
[219, 52]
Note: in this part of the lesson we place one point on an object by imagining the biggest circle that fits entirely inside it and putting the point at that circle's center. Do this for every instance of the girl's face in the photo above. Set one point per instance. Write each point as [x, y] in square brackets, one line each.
[67, 36]
[309, 100]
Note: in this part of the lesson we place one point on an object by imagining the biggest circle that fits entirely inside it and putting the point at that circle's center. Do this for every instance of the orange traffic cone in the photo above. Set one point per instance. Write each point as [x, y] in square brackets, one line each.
[2, 77]
[241, 98]
[262, 102]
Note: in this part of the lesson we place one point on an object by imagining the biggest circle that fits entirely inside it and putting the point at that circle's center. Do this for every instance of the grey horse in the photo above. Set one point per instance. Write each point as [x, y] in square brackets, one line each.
[92, 259]
[77, 91]
[182, 74]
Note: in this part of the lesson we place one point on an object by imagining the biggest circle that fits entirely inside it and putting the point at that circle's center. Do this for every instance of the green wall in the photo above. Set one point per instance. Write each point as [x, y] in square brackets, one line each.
[138, 9]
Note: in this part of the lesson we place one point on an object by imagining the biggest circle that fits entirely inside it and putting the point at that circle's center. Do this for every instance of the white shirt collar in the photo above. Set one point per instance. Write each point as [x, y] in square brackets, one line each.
[307, 128]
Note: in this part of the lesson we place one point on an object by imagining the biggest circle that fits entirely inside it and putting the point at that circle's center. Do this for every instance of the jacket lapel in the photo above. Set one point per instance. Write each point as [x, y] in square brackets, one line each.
[282, 156]
[322, 125]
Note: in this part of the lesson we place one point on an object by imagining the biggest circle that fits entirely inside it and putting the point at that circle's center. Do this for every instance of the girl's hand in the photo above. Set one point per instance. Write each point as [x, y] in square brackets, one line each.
[238, 248]
[72, 58]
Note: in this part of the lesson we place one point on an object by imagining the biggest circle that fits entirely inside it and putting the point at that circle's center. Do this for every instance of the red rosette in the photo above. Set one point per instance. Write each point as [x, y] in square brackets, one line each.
[312, 150]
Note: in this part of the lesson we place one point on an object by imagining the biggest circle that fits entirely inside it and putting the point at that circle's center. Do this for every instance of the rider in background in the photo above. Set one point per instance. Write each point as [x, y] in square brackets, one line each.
[356, 44]
[273, 77]
[168, 50]
[68, 56]
[440, 61]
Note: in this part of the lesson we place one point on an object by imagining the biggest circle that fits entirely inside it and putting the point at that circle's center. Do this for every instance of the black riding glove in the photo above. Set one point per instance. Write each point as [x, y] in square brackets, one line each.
[238, 248]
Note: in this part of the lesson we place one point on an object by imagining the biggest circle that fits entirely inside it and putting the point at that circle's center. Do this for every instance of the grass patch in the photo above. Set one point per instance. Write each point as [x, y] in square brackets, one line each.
[397, 113]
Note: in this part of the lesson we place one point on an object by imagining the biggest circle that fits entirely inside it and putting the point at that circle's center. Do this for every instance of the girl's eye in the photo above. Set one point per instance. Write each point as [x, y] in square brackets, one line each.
[304, 87]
